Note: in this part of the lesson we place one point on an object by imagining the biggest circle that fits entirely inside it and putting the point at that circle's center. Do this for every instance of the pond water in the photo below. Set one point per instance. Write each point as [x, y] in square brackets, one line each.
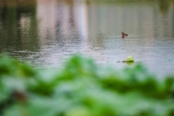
[46, 32]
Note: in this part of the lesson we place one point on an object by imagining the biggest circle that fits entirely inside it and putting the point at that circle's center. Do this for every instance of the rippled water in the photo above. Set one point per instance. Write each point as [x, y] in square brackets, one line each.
[46, 32]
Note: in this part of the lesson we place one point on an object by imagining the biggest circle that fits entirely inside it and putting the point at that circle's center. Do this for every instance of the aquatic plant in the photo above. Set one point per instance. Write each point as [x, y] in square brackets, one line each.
[82, 88]
[129, 59]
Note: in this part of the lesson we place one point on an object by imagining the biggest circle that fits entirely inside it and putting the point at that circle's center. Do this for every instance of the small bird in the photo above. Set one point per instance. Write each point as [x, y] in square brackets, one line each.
[124, 35]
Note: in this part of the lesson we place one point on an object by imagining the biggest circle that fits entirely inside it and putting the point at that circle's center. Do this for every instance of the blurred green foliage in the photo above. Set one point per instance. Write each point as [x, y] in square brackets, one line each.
[82, 88]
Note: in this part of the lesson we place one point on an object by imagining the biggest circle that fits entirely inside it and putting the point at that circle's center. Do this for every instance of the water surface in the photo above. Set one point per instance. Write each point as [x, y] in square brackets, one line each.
[46, 32]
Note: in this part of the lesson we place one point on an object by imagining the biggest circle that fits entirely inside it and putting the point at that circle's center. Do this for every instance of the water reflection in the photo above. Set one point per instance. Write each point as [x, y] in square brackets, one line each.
[48, 31]
[18, 27]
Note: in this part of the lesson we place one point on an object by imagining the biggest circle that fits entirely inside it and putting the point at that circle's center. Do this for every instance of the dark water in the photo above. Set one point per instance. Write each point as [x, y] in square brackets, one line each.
[46, 32]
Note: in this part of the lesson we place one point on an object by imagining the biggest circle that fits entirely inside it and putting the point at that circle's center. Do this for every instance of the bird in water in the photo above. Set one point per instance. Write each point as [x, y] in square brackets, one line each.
[124, 35]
